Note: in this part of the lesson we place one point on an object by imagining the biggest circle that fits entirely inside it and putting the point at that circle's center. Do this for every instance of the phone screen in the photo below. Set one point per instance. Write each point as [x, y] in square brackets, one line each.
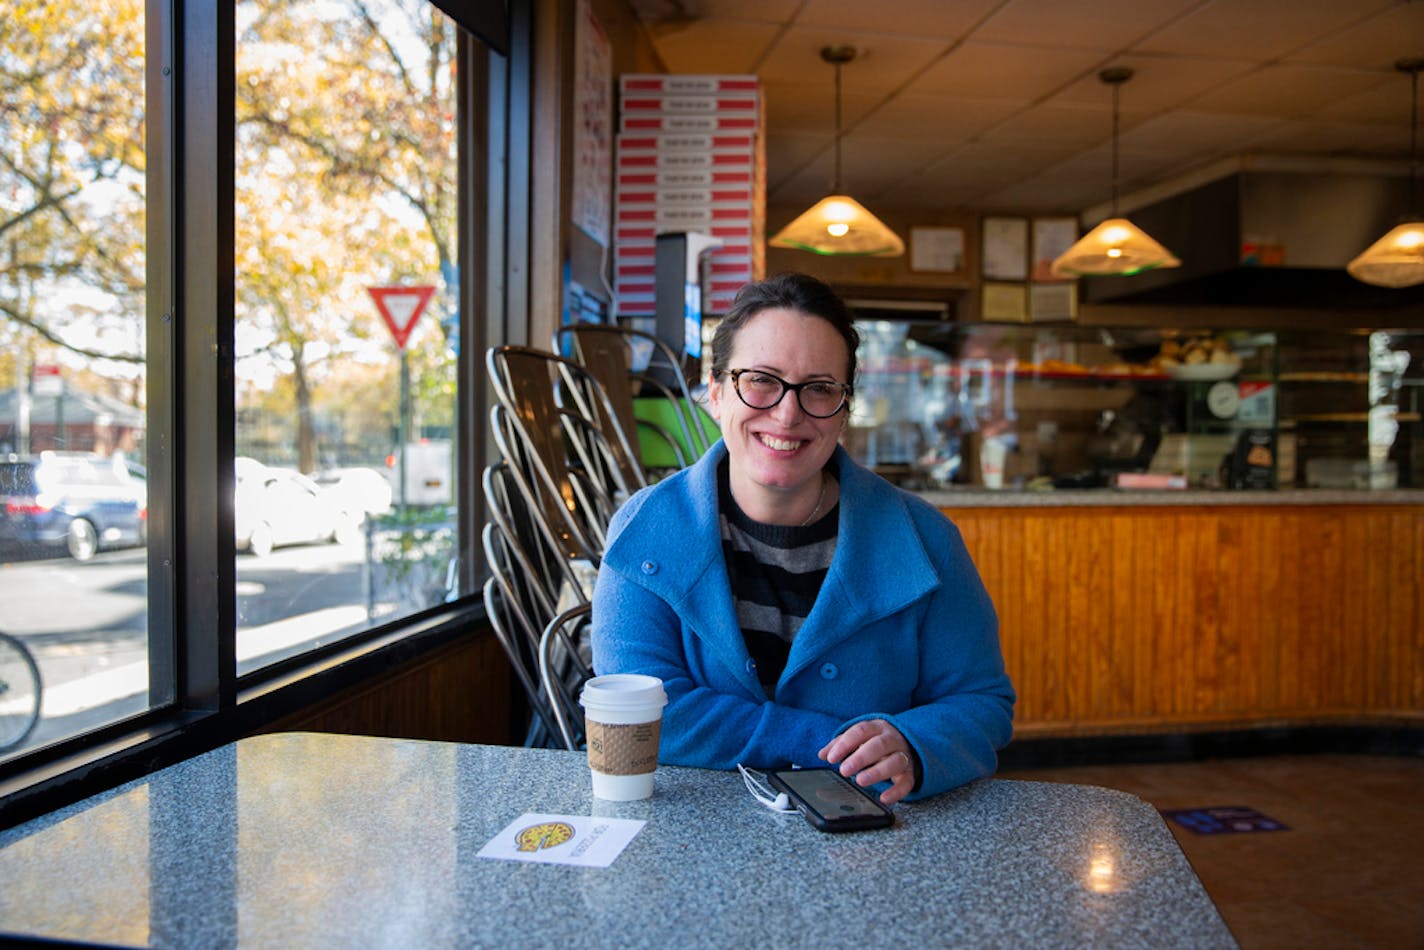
[830, 797]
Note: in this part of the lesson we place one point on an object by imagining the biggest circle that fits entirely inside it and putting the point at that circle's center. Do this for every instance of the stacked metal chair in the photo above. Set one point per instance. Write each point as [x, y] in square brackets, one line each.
[550, 496]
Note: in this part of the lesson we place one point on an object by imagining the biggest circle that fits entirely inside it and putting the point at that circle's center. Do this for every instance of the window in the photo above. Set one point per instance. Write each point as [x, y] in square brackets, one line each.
[345, 313]
[224, 460]
[73, 394]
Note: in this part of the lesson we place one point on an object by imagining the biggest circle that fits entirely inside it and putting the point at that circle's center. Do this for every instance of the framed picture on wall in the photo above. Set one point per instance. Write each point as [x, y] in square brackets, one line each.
[1003, 301]
[1053, 301]
[1005, 248]
[937, 250]
[1051, 237]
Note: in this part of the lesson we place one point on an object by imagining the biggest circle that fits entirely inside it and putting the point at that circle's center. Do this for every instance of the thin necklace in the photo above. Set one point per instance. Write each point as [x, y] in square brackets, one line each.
[820, 500]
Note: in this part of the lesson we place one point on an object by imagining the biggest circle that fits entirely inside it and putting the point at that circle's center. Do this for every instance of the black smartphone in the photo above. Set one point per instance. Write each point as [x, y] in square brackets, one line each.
[830, 801]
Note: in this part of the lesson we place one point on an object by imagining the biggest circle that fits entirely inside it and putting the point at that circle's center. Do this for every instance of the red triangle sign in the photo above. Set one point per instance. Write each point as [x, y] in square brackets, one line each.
[400, 307]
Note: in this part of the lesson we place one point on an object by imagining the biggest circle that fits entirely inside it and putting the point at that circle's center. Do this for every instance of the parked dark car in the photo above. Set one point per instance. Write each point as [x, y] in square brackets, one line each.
[79, 502]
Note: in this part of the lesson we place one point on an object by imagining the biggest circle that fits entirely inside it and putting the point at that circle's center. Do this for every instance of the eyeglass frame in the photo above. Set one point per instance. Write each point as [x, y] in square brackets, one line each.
[847, 390]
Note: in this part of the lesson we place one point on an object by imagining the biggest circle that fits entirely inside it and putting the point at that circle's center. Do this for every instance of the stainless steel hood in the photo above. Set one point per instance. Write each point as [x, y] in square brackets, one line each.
[1227, 232]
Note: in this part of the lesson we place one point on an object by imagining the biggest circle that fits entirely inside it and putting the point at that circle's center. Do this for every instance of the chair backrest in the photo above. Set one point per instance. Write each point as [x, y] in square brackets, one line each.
[608, 351]
[545, 424]
[532, 586]
[563, 669]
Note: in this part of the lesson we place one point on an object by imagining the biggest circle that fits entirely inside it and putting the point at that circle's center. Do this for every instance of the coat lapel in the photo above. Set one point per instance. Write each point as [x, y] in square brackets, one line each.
[880, 566]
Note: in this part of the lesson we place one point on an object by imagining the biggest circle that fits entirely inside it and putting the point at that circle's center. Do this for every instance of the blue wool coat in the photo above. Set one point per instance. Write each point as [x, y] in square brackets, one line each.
[902, 630]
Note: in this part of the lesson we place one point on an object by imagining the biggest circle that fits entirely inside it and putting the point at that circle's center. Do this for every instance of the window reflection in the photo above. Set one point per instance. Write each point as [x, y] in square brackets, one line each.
[73, 490]
[345, 181]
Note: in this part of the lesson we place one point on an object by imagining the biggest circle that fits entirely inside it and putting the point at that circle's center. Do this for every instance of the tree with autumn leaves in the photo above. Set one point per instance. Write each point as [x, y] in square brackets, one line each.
[71, 182]
[344, 165]
[345, 180]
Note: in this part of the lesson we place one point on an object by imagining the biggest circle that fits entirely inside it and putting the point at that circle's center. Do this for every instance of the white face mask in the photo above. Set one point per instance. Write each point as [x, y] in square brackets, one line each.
[756, 784]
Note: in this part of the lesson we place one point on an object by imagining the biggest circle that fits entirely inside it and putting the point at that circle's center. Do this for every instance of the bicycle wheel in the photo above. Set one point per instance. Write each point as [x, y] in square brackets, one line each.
[19, 693]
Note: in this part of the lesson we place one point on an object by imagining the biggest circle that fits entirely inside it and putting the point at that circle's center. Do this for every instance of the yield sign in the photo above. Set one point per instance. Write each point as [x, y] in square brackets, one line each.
[400, 307]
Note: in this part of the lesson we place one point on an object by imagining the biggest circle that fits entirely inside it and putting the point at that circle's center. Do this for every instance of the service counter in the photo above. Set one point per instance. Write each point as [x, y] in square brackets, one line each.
[1182, 611]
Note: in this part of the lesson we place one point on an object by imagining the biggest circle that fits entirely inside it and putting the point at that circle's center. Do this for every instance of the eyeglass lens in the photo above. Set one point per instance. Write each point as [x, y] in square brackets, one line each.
[819, 398]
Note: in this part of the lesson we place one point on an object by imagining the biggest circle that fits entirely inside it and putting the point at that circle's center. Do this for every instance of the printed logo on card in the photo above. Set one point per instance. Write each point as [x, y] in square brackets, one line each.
[548, 834]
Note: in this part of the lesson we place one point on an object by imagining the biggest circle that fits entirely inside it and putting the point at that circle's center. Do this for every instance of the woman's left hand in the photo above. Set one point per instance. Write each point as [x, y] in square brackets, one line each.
[874, 751]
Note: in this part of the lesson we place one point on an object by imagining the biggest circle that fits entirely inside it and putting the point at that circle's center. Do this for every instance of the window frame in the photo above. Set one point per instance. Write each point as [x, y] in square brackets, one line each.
[197, 699]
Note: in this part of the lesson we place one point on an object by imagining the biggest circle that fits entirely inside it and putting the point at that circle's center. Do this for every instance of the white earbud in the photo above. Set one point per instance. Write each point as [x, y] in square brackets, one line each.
[754, 782]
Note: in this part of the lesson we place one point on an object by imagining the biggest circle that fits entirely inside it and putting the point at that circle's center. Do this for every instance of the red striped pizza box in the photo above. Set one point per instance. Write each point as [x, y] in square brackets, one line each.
[689, 105]
[685, 197]
[638, 258]
[727, 286]
[718, 303]
[737, 268]
[635, 302]
[637, 308]
[672, 161]
[634, 293]
[635, 234]
[691, 218]
[689, 178]
[716, 122]
[638, 144]
[634, 268]
[722, 267]
[687, 84]
[639, 239]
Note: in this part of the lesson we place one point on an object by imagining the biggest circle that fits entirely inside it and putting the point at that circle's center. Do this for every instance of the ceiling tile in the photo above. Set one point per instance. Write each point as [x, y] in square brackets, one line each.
[1379, 41]
[1257, 30]
[1074, 127]
[715, 46]
[935, 118]
[884, 63]
[994, 71]
[1289, 92]
[799, 108]
[929, 18]
[1078, 23]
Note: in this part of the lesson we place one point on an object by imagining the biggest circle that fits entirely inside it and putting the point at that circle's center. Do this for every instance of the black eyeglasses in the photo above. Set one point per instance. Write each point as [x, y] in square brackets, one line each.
[819, 398]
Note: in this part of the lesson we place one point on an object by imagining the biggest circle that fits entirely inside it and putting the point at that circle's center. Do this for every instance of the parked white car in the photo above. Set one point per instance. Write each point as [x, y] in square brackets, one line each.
[275, 507]
[360, 492]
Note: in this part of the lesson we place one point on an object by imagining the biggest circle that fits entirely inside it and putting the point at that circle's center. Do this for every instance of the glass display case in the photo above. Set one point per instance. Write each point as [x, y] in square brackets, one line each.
[941, 404]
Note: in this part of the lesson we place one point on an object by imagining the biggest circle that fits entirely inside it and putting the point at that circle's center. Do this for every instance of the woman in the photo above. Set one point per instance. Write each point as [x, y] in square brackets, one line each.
[797, 606]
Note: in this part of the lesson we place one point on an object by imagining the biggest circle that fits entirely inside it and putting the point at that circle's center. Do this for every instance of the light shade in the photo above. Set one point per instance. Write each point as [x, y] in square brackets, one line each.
[840, 225]
[1117, 246]
[1395, 260]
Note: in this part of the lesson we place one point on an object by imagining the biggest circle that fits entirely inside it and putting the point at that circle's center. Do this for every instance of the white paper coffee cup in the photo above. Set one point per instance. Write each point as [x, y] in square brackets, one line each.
[623, 714]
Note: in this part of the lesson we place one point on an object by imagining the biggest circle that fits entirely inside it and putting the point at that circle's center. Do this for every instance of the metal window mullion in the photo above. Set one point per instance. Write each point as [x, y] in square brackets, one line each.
[204, 415]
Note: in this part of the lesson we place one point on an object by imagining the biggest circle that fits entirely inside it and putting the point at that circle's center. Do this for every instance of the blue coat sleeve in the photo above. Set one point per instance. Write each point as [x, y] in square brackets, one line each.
[961, 709]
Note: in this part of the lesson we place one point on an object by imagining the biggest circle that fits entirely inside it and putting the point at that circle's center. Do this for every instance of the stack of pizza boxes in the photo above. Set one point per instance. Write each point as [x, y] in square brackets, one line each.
[690, 157]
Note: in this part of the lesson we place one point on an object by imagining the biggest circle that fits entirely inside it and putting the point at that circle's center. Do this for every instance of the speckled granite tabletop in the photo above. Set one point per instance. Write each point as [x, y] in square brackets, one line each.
[305, 840]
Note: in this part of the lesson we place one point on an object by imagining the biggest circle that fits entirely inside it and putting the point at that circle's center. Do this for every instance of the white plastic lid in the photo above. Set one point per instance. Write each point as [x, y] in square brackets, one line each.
[624, 691]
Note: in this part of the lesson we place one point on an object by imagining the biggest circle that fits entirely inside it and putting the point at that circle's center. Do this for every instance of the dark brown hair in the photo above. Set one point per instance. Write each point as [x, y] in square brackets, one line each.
[790, 291]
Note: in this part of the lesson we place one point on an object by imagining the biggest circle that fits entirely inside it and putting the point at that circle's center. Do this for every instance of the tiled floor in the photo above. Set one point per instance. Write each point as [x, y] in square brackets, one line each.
[1349, 872]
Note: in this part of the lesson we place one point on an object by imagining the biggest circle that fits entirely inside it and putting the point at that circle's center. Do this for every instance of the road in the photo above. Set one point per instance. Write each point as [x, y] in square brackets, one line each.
[87, 623]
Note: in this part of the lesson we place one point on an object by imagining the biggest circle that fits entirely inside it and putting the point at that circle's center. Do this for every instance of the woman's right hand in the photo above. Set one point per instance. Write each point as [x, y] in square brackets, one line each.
[874, 751]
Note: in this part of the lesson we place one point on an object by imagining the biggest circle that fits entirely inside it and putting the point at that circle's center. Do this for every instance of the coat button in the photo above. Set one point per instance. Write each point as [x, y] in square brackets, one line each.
[751, 666]
[829, 671]
[650, 567]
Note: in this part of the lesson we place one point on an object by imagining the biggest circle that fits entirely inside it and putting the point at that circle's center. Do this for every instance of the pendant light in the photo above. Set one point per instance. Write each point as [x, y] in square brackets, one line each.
[1117, 246]
[838, 224]
[1397, 259]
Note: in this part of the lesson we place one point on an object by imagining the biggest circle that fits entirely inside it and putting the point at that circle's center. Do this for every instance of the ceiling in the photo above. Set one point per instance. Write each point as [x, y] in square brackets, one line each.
[995, 105]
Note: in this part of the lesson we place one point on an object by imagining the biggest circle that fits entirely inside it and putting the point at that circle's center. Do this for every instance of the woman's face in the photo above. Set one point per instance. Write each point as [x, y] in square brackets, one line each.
[782, 449]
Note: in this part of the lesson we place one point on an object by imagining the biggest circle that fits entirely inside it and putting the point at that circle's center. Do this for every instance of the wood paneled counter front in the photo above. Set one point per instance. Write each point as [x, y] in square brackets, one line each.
[1126, 612]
